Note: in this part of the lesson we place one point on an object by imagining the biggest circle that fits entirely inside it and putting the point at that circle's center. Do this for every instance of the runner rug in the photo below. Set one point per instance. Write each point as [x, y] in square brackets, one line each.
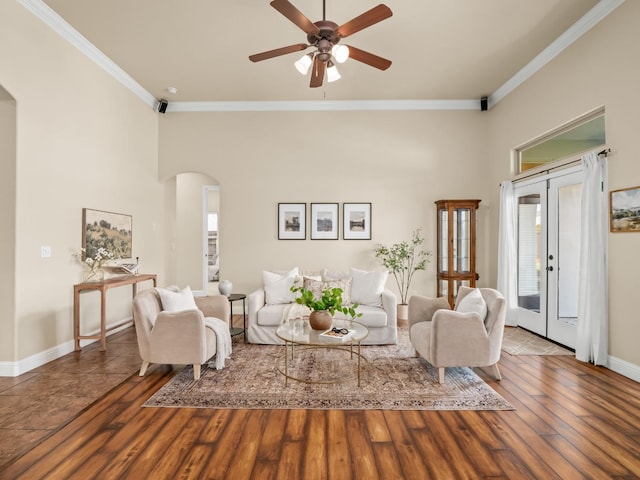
[518, 341]
[392, 377]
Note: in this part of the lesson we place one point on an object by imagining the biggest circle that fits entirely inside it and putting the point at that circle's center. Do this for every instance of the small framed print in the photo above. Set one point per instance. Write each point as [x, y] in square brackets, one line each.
[292, 221]
[625, 210]
[324, 221]
[357, 221]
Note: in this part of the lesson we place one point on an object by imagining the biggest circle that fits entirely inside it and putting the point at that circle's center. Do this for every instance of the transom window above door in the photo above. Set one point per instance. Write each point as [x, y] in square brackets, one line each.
[584, 134]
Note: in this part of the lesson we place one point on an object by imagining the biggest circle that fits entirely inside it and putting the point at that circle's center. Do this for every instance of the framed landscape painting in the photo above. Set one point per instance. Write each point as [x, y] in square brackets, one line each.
[625, 210]
[356, 221]
[292, 221]
[111, 231]
[324, 221]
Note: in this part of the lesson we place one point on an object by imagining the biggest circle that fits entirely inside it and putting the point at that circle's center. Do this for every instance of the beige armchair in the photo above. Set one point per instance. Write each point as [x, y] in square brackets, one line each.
[448, 338]
[183, 338]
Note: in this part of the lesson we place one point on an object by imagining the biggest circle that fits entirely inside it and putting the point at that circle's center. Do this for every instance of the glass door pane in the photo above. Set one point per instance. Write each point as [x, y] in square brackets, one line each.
[565, 199]
[529, 252]
[532, 240]
[463, 242]
[443, 264]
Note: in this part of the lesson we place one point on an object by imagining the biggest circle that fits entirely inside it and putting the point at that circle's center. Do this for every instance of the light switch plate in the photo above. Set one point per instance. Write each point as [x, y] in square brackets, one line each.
[45, 251]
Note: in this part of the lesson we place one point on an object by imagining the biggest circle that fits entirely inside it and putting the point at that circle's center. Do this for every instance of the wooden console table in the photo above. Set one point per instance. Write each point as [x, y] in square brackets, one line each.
[102, 287]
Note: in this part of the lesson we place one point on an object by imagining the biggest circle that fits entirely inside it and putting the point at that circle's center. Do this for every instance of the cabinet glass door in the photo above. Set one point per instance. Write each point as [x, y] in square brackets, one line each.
[456, 246]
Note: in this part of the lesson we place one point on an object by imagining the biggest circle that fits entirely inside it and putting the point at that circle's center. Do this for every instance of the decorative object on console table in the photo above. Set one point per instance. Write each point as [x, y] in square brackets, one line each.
[323, 308]
[403, 260]
[292, 221]
[356, 221]
[94, 264]
[324, 221]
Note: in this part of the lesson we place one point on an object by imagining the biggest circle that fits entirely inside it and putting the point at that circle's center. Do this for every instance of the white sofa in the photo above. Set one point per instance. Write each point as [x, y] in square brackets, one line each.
[268, 306]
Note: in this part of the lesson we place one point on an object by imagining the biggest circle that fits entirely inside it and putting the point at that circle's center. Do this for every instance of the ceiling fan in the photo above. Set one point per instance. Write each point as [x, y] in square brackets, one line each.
[325, 35]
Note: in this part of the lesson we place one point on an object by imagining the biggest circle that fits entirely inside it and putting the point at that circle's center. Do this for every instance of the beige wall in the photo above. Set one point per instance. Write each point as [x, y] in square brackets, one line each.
[600, 69]
[401, 162]
[8, 222]
[83, 140]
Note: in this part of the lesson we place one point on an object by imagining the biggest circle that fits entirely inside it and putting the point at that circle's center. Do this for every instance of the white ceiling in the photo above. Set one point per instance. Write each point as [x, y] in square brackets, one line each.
[441, 49]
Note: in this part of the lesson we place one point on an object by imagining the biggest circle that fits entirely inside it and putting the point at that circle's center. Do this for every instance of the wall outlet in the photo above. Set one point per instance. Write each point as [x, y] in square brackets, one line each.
[45, 251]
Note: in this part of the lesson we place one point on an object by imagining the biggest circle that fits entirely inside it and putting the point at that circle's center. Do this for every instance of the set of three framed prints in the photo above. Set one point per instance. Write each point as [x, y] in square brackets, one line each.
[324, 221]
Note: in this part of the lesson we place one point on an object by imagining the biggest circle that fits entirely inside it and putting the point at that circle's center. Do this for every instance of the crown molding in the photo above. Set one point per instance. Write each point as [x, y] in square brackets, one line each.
[323, 105]
[573, 33]
[75, 38]
[66, 31]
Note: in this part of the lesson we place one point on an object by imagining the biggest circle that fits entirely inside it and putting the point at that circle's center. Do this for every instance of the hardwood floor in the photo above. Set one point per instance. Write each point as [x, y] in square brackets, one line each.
[572, 421]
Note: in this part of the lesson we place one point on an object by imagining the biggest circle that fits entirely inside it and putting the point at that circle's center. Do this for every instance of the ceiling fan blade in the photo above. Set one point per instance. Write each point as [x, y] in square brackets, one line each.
[369, 58]
[258, 57]
[317, 72]
[368, 18]
[287, 9]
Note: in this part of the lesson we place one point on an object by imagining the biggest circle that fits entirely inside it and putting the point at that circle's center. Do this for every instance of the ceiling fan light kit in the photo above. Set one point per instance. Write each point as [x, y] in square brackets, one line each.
[324, 36]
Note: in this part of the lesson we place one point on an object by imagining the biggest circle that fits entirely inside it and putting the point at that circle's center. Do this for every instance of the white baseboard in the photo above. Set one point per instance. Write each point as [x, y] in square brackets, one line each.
[625, 368]
[15, 369]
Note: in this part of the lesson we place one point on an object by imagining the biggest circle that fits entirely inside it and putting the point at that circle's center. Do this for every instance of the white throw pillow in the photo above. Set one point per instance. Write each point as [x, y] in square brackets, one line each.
[367, 287]
[277, 286]
[177, 301]
[473, 302]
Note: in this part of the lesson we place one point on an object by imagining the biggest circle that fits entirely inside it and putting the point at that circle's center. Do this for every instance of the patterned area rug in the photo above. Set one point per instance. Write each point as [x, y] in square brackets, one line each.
[391, 378]
[518, 341]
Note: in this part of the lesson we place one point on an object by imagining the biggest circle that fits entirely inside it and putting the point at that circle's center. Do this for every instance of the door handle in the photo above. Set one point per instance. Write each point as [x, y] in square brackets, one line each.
[549, 269]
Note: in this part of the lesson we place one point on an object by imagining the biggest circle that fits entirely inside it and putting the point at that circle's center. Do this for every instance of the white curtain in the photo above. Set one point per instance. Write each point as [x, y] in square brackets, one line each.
[592, 329]
[507, 252]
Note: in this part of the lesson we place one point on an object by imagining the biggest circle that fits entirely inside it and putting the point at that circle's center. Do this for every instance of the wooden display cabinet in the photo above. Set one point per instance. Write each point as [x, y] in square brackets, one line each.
[456, 246]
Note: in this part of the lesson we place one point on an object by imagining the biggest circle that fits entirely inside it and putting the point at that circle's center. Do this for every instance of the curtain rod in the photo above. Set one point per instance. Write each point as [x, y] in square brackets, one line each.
[604, 152]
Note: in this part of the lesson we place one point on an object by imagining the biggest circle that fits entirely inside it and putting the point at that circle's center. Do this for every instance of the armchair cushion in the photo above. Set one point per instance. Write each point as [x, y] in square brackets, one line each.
[473, 303]
[179, 301]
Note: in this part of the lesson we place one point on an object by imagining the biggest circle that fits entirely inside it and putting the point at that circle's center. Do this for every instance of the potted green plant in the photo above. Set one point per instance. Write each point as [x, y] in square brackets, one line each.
[323, 308]
[403, 260]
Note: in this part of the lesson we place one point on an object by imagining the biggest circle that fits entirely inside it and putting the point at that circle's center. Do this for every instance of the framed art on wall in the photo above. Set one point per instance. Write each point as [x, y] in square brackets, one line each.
[324, 221]
[108, 230]
[292, 221]
[356, 221]
[625, 210]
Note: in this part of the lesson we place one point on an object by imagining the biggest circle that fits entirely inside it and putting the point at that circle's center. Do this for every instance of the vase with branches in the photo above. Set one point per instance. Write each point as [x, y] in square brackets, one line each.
[403, 260]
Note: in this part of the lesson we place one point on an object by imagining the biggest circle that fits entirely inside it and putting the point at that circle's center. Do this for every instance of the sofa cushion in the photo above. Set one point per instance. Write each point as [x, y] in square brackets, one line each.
[271, 315]
[367, 287]
[177, 301]
[331, 275]
[345, 285]
[372, 317]
[473, 302]
[277, 286]
[317, 287]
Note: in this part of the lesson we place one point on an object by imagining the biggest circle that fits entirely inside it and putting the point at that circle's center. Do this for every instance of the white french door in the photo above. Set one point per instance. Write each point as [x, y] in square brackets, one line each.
[548, 254]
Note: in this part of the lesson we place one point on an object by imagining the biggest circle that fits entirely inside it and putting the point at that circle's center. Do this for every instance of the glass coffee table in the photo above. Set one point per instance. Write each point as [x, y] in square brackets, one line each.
[298, 335]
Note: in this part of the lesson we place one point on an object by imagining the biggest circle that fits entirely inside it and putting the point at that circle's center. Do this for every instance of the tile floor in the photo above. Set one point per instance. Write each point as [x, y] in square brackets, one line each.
[40, 401]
